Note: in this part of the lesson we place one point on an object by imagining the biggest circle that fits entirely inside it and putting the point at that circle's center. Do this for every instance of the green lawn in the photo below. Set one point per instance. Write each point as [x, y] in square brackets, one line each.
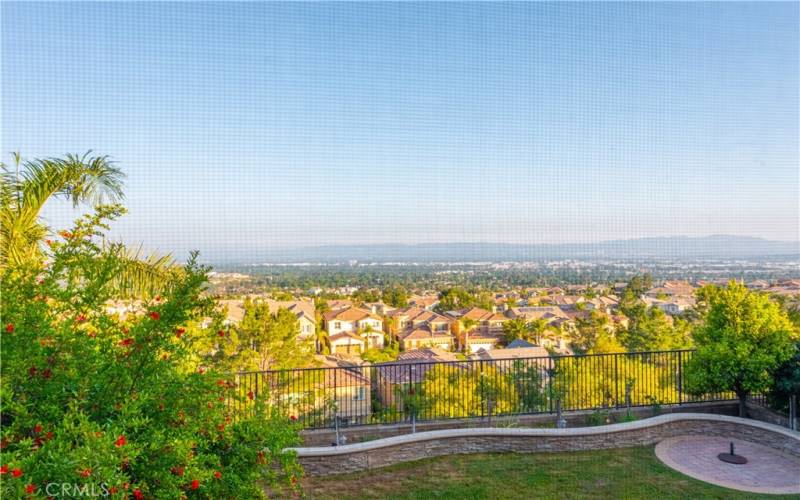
[622, 473]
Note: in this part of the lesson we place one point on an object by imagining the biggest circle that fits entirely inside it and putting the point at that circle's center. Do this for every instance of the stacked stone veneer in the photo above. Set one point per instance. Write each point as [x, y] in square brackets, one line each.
[388, 451]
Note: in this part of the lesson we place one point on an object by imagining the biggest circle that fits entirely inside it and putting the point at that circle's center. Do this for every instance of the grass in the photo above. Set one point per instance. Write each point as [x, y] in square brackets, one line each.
[620, 473]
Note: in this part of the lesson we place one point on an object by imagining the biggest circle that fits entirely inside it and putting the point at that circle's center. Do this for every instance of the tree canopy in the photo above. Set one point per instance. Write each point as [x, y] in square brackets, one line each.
[743, 340]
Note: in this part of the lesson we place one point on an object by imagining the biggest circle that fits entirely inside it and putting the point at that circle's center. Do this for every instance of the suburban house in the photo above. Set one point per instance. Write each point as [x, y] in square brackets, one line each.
[673, 306]
[358, 323]
[410, 368]
[671, 289]
[487, 332]
[566, 302]
[377, 308]
[425, 336]
[603, 304]
[548, 313]
[416, 327]
[347, 343]
[302, 309]
[530, 351]
[516, 359]
[325, 392]
[478, 339]
[426, 301]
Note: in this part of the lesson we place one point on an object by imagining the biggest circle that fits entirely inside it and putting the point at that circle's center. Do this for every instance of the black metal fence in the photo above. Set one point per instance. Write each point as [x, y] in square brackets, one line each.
[405, 391]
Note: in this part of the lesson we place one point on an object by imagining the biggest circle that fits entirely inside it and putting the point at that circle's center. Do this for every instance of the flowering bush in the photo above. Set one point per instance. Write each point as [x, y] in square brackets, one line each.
[95, 404]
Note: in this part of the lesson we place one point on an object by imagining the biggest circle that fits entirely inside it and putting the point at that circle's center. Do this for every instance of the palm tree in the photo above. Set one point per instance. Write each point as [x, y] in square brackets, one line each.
[537, 329]
[27, 186]
[466, 325]
[514, 329]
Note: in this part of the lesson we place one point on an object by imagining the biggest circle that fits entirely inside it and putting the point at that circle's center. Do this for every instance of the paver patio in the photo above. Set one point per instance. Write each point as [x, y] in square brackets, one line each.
[767, 471]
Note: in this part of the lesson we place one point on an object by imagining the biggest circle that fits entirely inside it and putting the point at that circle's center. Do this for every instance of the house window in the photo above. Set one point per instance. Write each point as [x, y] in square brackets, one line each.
[360, 395]
[337, 325]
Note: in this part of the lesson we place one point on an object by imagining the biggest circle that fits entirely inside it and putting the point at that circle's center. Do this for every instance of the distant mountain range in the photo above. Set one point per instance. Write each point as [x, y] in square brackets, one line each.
[674, 247]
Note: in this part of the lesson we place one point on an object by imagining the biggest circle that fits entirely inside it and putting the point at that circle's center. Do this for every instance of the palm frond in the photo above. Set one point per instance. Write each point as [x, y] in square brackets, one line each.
[140, 274]
[25, 190]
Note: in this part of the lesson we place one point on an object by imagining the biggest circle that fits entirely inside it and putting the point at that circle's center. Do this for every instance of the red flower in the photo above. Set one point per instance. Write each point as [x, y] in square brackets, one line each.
[81, 318]
[293, 418]
[154, 315]
[10, 328]
[201, 370]
[158, 298]
[126, 342]
[221, 333]
[195, 484]
[221, 383]
[49, 435]
[47, 373]
[121, 441]
[113, 490]
[49, 243]
[221, 427]
[178, 471]
[179, 332]
[30, 489]
[32, 371]
[37, 428]
[251, 395]
[65, 234]
[218, 474]
[16, 472]
[4, 469]
[86, 472]
[137, 494]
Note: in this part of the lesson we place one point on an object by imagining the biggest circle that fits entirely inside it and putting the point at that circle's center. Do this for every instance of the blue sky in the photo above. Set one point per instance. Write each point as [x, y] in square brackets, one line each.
[244, 127]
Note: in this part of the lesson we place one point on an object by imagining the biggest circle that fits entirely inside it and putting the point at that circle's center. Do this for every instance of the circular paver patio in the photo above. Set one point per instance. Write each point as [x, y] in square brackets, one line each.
[767, 471]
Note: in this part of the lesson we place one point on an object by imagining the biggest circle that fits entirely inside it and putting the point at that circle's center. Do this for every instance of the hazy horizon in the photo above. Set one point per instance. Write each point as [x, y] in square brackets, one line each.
[269, 126]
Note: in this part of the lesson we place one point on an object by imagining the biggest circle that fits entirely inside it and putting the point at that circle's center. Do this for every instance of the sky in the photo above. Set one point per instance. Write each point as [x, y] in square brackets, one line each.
[245, 127]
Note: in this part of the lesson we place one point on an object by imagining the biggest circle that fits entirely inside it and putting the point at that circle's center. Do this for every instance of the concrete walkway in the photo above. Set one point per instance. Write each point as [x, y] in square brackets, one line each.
[767, 471]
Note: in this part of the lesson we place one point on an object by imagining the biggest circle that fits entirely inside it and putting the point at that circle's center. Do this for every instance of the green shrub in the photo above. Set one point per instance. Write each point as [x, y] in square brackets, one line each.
[95, 404]
[785, 383]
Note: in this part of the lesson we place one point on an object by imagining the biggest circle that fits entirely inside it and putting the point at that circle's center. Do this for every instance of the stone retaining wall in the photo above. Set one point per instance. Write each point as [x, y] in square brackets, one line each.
[388, 451]
[363, 433]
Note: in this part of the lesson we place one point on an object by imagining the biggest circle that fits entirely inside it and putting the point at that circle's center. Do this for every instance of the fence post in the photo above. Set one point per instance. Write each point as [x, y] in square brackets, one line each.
[680, 378]
[336, 404]
[616, 382]
[411, 393]
[257, 395]
[551, 372]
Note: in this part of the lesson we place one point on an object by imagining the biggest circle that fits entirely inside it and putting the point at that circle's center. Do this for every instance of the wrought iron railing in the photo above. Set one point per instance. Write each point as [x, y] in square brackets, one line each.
[417, 391]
